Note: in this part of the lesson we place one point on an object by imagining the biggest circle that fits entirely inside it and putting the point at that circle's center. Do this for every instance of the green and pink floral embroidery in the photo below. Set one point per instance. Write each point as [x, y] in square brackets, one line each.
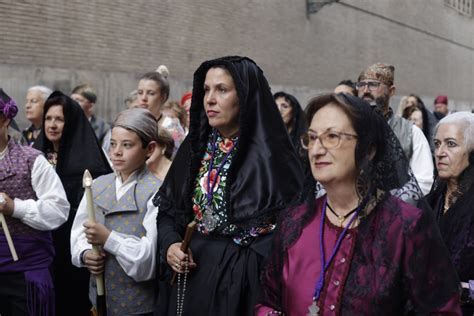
[218, 182]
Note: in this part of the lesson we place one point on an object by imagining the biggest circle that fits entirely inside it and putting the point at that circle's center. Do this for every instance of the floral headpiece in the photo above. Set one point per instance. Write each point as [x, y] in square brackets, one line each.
[8, 107]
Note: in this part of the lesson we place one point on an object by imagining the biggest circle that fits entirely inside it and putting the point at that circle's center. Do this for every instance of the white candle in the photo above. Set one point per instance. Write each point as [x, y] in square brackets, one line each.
[87, 183]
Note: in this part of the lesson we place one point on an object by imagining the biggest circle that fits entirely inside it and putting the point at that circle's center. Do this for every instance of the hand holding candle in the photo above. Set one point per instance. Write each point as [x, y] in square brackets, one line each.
[87, 183]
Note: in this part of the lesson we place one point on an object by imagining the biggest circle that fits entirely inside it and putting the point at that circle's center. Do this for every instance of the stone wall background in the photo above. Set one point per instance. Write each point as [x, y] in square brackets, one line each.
[110, 43]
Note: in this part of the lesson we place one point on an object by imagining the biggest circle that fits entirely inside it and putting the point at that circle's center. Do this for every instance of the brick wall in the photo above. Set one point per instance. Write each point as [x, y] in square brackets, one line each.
[110, 43]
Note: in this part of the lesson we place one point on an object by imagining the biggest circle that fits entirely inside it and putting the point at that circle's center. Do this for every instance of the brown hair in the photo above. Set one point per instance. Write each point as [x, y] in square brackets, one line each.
[409, 111]
[363, 119]
[165, 140]
[178, 110]
[86, 91]
[317, 103]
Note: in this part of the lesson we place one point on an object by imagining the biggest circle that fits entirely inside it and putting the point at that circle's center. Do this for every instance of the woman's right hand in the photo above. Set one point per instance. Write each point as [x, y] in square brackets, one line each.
[176, 258]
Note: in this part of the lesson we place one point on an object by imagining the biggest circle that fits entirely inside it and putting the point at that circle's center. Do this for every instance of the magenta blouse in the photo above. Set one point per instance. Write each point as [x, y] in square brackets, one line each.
[374, 272]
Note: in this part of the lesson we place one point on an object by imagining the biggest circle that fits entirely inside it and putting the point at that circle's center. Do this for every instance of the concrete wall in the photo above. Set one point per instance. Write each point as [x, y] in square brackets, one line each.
[110, 43]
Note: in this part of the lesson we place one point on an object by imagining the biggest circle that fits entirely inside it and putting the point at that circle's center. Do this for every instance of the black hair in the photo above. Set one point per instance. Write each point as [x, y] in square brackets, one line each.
[350, 84]
[288, 98]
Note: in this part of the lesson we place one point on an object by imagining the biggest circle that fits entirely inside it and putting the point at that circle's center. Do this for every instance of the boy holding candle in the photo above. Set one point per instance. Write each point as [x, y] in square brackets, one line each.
[33, 203]
[126, 219]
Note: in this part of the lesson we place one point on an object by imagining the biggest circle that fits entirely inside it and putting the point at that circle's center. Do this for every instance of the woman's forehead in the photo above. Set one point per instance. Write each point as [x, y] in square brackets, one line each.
[56, 109]
[450, 130]
[148, 84]
[216, 75]
[329, 117]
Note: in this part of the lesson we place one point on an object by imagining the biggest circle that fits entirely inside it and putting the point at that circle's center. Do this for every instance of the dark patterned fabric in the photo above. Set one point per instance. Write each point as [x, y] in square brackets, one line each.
[34, 248]
[265, 176]
[399, 258]
[219, 204]
[218, 181]
[15, 181]
[457, 225]
[404, 131]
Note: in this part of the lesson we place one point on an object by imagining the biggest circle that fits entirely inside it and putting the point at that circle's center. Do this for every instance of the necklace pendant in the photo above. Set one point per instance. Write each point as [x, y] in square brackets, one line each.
[341, 220]
[208, 219]
[313, 309]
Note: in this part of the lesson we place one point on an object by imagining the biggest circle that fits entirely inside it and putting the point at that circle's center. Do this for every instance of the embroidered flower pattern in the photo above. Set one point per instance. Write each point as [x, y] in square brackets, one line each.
[226, 145]
[219, 182]
[219, 204]
[213, 183]
[197, 211]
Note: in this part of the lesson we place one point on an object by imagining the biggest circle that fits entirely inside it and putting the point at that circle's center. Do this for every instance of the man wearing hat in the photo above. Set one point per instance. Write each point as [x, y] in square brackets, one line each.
[375, 85]
[33, 202]
[441, 106]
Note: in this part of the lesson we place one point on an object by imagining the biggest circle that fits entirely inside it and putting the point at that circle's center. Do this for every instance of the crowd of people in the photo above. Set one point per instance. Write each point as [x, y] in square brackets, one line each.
[237, 201]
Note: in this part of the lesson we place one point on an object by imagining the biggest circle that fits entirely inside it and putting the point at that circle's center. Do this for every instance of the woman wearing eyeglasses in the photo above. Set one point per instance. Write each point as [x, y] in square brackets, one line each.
[354, 248]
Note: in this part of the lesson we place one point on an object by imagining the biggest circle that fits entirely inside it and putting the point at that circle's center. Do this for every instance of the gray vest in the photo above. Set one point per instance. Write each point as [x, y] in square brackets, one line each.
[403, 129]
[125, 296]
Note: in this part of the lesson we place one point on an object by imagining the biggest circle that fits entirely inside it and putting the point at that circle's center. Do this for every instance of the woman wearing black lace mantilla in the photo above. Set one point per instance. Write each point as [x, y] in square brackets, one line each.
[233, 174]
[356, 248]
[452, 197]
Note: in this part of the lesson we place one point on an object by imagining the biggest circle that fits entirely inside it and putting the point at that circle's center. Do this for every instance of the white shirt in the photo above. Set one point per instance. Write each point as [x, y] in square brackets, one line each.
[136, 256]
[421, 161]
[51, 209]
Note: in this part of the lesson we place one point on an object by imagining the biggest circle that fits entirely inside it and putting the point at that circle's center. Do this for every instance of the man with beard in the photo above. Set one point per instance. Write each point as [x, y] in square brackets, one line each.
[375, 85]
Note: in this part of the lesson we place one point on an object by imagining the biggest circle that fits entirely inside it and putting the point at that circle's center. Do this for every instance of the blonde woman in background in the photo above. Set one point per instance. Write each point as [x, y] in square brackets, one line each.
[152, 92]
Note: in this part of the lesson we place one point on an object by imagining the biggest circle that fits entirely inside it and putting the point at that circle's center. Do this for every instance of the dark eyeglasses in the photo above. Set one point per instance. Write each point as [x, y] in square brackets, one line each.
[328, 139]
[372, 85]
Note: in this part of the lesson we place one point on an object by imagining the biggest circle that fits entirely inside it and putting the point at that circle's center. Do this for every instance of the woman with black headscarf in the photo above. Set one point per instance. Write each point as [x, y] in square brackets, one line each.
[427, 120]
[233, 174]
[70, 145]
[292, 115]
[355, 248]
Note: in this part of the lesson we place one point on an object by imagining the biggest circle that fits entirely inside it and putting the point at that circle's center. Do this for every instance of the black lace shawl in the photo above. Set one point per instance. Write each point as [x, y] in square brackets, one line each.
[390, 176]
[265, 175]
[457, 224]
[78, 148]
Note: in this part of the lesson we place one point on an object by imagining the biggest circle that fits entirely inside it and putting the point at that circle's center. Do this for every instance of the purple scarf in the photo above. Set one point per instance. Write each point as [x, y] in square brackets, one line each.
[35, 257]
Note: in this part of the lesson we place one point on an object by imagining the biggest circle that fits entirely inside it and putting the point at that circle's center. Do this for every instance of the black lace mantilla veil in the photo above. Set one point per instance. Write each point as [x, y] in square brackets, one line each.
[388, 174]
[265, 175]
[390, 170]
[457, 225]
